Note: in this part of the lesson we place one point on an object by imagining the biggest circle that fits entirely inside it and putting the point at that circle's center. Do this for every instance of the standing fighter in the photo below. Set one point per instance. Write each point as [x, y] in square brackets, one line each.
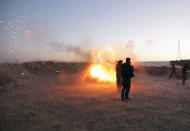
[127, 74]
[173, 71]
[118, 74]
[184, 73]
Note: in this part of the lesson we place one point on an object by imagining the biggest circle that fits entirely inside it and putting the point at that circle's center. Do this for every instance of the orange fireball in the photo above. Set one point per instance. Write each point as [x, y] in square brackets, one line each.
[102, 68]
[103, 73]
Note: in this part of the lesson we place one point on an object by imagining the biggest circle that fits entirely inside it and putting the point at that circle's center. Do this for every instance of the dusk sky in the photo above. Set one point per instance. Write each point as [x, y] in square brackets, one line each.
[65, 30]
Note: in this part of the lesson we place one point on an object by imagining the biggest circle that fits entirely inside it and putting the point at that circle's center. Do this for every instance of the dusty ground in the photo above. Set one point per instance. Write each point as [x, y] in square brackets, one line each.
[62, 102]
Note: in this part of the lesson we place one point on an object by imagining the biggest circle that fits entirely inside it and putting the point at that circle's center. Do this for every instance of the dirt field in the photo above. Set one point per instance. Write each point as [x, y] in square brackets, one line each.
[62, 102]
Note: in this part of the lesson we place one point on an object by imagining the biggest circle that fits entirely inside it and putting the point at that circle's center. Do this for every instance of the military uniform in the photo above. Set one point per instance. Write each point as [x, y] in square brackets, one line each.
[118, 75]
[127, 74]
[173, 72]
[184, 71]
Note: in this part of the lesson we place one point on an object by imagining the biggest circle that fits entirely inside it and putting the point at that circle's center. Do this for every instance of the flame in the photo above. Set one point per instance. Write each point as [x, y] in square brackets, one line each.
[103, 73]
[102, 67]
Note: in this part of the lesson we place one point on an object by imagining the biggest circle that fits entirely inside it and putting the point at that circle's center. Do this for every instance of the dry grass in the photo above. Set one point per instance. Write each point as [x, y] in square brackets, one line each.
[56, 103]
[5, 79]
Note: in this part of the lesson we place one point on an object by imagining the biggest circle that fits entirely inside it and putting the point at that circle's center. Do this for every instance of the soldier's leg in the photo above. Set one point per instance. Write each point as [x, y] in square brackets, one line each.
[123, 92]
[117, 80]
[184, 78]
[170, 75]
[176, 75]
[120, 83]
[128, 84]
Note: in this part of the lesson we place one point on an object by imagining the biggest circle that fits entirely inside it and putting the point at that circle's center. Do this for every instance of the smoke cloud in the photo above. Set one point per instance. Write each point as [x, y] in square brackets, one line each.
[70, 48]
[149, 42]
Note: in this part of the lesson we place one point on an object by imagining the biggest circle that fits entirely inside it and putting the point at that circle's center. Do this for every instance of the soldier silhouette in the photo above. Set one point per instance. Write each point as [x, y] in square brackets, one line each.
[118, 74]
[184, 73]
[127, 74]
[173, 71]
